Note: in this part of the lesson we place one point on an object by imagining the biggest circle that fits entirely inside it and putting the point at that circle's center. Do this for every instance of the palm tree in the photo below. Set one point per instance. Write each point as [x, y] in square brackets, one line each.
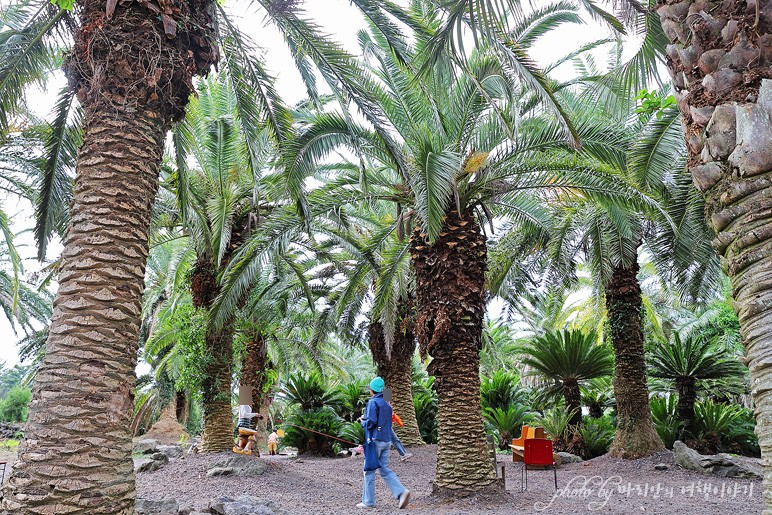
[569, 358]
[690, 363]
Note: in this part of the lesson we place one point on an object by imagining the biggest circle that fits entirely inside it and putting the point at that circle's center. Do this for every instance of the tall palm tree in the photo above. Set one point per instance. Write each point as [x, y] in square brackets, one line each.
[570, 358]
[689, 363]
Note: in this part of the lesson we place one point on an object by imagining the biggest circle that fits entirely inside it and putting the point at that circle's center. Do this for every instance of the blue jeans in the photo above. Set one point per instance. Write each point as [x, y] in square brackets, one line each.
[368, 492]
[395, 440]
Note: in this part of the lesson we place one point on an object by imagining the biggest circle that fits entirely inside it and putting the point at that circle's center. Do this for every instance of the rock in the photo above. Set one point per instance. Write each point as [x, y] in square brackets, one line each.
[171, 451]
[660, 466]
[147, 446]
[156, 507]
[220, 471]
[161, 457]
[244, 505]
[245, 466]
[567, 457]
[11, 430]
[146, 465]
[722, 465]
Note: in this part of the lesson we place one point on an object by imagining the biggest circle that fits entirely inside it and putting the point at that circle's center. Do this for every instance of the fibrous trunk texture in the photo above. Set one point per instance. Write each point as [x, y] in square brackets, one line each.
[687, 396]
[720, 58]
[596, 411]
[396, 370]
[450, 295]
[573, 396]
[635, 435]
[254, 374]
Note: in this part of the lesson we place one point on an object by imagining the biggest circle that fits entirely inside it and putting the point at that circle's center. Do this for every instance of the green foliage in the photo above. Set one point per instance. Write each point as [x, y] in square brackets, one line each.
[597, 433]
[652, 103]
[309, 392]
[11, 377]
[507, 422]
[353, 432]
[353, 398]
[13, 408]
[323, 420]
[741, 437]
[189, 327]
[500, 390]
[728, 425]
[665, 417]
[555, 422]
[425, 403]
[67, 5]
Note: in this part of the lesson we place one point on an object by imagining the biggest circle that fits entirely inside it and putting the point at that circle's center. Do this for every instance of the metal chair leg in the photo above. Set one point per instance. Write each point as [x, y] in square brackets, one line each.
[555, 470]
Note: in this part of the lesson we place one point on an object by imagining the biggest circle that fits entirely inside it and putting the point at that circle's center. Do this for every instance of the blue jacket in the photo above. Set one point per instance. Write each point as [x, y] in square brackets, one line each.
[377, 422]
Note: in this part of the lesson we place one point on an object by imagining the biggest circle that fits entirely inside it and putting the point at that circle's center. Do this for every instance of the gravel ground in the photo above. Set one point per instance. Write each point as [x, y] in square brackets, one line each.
[333, 486]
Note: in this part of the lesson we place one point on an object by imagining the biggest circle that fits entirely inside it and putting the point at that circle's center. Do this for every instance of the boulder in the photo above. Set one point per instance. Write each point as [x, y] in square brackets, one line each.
[220, 471]
[244, 505]
[171, 451]
[147, 446]
[567, 457]
[156, 507]
[245, 466]
[146, 465]
[723, 465]
[660, 466]
[159, 456]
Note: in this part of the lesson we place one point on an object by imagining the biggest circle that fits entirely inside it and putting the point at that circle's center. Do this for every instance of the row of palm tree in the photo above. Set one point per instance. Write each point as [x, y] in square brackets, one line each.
[454, 139]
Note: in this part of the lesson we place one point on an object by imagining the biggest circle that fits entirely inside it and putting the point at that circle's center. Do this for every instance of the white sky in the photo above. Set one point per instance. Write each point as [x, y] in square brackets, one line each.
[335, 17]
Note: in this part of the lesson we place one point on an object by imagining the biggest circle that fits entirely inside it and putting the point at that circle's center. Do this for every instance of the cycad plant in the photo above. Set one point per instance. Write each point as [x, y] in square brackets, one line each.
[507, 422]
[569, 358]
[688, 363]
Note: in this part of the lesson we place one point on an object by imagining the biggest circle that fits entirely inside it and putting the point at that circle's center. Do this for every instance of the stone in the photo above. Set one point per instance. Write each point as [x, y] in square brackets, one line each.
[148, 446]
[220, 471]
[567, 457]
[722, 465]
[146, 465]
[720, 134]
[171, 451]
[244, 505]
[159, 456]
[245, 466]
[156, 507]
[660, 466]
[754, 132]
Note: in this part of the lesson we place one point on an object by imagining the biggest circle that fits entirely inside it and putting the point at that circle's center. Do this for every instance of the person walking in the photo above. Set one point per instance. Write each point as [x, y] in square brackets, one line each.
[403, 454]
[377, 426]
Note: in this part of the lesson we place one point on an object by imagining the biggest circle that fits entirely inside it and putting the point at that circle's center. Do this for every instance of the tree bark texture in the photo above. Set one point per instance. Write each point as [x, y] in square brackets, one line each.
[687, 396]
[720, 58]
[396, 370]
[450, 295]
[573, 396]
[636, 436]
[133, 78]
[253, 374]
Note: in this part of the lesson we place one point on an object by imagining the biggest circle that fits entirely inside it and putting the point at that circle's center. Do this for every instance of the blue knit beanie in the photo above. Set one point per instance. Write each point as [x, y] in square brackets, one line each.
[377, 385]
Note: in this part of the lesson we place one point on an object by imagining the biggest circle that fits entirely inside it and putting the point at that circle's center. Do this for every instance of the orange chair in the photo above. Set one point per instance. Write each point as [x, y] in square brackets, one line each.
[538, 452]
[518, 444]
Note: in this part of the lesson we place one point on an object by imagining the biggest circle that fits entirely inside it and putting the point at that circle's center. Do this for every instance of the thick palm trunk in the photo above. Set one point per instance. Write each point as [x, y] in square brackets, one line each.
[636, 435]
[451, 294]
[721, 61]
[596, 411]
[133, 80]
[687, 396]
[573, 396]
[396, 370]
[254, 374]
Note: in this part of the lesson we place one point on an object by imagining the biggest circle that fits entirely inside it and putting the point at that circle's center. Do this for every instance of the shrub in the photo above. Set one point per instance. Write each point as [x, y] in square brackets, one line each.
[500, 391]
[724, 427]
[597, 433]
[353, 398]
[309, 392]
[354, 433]
[555, 422]
[665, 417]
[507, 423]
[324, 420]
[13, 408]
[426, 414]
[741, 437]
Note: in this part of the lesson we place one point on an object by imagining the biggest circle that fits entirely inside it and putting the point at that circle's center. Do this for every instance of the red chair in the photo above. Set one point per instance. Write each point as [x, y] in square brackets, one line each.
[538, 452]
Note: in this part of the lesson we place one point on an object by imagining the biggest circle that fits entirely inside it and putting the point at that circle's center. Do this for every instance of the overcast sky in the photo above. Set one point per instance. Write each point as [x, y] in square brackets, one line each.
[335, 17]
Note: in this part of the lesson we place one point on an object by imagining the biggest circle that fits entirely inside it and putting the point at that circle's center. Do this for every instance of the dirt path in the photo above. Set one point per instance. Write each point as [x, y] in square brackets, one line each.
[333, 486]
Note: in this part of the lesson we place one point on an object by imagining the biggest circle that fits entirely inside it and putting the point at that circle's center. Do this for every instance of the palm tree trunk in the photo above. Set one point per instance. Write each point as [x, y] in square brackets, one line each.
[396, 370]
[132, 79]
[450, 295]
[596, 411]
[216, 391]
[636, 435]
[254, 374]
[687, 396]
[573, 396]
[722, 66]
